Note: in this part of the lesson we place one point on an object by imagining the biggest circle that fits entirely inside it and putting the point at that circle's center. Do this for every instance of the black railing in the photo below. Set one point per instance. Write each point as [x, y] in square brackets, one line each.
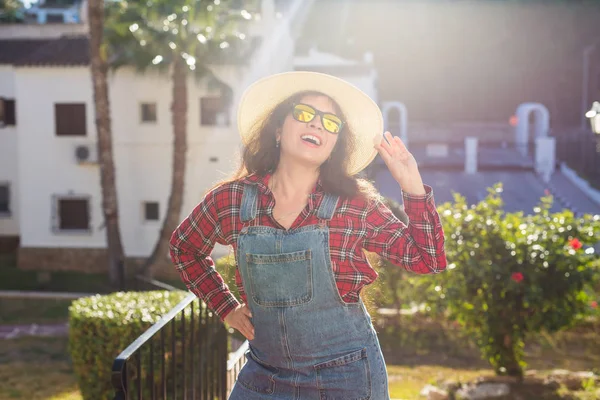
[182, 356]
[581, 152]
[235, 364]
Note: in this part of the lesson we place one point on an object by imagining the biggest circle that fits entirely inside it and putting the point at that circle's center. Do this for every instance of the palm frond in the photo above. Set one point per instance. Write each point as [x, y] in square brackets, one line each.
[151, 34]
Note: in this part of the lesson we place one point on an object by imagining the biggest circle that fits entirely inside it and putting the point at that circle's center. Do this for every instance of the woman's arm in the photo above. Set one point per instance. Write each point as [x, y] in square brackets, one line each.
[190, 248]
[418, 246]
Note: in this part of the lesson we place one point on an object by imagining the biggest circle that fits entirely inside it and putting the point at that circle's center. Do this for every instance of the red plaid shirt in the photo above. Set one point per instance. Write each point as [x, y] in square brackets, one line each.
[357, 224]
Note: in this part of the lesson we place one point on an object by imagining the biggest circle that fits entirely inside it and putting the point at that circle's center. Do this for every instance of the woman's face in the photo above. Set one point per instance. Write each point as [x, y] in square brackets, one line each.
[308, 142]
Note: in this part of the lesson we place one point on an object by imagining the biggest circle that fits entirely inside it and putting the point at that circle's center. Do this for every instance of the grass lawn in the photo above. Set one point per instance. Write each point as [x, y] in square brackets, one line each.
[29, 311]
[40, 369]
[406, 382]
[36, 369]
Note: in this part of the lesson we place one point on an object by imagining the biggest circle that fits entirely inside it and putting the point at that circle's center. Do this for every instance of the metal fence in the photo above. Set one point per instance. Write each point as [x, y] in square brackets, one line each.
[581, 152]
[182, 356]
[235, 364]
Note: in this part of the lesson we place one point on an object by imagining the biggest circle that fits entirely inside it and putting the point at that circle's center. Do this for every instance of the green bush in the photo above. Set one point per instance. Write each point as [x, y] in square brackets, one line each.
[100, 327]
[226, 266]
[512, 275]
[509, 277]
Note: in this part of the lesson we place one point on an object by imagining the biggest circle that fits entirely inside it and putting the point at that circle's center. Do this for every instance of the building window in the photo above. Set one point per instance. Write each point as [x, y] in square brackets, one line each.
[213, 112]
[72, 214]
[151, 211]
[7, 112]
[4, 199]
[70, 119]
[148, 111]
[55, 18]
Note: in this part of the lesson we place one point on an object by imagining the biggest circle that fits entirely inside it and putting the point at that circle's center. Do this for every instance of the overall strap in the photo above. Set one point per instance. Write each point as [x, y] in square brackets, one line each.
[249, 206]
[328, 205]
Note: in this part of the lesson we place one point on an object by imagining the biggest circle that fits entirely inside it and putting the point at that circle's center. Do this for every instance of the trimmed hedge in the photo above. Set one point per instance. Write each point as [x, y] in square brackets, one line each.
[100, 327]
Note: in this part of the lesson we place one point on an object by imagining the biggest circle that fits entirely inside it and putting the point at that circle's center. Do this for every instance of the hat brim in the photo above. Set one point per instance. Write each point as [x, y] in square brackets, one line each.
[362, 115]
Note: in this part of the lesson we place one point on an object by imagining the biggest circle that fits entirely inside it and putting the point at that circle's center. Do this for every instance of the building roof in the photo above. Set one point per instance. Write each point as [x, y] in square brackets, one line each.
[489, 156]
[522, 187]
[74, 51]
[522, 190]
[13, 50]
[58, 4]
[69, 51]
[62, 51]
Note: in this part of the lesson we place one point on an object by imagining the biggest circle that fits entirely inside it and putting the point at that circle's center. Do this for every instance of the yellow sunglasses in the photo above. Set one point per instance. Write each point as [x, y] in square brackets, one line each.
[305, 113]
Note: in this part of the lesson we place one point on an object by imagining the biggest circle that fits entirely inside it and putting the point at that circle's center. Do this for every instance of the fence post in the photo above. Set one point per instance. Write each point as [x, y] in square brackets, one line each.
[545, 157]
[471, 155]
[223, 358]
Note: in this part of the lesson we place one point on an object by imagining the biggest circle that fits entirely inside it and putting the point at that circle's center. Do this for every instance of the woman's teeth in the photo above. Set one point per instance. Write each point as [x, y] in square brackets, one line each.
[312, 139]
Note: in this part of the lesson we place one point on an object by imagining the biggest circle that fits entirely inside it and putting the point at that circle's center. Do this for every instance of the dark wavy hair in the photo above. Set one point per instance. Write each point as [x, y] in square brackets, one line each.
[260, 156]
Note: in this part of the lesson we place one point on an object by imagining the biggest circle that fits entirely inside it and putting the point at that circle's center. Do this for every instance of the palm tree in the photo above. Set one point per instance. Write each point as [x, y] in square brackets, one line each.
[99, 69]
[180, 37]
[11, 11]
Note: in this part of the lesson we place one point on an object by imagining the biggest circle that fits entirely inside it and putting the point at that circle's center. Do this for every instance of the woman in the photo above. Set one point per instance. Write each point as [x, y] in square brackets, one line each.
[299, 219]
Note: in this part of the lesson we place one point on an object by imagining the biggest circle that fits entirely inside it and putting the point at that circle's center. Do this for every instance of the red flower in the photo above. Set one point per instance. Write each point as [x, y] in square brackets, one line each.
[517, 277]
[575, 244]
[594, 304]
[547, 192]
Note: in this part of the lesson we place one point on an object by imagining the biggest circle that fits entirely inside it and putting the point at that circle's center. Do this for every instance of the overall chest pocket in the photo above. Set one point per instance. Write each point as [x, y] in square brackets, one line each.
[279, 280]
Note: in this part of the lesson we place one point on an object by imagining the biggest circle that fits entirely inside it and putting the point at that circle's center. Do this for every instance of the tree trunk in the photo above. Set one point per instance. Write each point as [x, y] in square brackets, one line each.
[505, 352]
[179, 120]
[99, 70]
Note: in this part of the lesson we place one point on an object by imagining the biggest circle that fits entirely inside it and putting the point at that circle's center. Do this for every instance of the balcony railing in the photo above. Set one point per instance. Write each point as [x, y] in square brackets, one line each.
[581, 152]
[182, 356]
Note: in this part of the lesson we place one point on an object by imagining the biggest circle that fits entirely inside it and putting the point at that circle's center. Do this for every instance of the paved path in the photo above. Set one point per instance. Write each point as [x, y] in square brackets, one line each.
[16, 331]
[20, 294]
[58, 329]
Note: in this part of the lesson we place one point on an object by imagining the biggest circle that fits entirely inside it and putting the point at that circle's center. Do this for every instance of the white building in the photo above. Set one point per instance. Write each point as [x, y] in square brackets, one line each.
[61, 12]
[50, 195]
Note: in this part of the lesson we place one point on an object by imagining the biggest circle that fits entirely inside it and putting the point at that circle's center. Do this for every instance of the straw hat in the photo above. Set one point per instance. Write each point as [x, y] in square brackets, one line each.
[362, 114]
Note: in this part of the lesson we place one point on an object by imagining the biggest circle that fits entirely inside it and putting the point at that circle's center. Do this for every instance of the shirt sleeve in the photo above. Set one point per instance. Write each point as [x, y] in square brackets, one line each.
[418, 246]
[190, 247]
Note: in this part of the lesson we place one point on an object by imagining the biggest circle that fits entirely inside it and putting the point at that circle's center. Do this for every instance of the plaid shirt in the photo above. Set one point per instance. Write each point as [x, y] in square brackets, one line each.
[357, 224]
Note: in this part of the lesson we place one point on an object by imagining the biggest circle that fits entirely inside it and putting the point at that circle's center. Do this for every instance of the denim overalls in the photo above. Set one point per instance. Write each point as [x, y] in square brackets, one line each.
[308, 343]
